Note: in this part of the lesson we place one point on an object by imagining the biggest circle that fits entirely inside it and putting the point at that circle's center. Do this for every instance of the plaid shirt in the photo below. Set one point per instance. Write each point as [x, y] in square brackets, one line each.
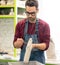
[43, 31]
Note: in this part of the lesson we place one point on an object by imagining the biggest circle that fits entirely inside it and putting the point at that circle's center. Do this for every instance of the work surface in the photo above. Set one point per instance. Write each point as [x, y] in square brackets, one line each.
[22, 63]
[13, 61]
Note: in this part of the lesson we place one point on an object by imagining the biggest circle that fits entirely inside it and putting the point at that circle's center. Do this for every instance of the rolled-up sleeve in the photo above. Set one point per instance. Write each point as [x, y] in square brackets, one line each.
[46, 35]
[16, 35]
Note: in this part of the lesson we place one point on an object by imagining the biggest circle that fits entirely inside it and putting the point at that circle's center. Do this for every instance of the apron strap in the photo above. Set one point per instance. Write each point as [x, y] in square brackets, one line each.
[26, 27]
[36, 27]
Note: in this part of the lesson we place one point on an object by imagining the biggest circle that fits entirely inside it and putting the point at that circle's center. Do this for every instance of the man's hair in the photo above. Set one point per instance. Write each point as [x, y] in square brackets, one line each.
[32, 3]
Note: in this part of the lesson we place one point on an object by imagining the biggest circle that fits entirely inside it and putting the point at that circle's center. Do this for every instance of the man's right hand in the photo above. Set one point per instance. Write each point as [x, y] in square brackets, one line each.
[18, 43]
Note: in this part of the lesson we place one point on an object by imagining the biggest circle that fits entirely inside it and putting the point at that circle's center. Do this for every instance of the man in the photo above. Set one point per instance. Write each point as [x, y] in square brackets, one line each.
[34, 28]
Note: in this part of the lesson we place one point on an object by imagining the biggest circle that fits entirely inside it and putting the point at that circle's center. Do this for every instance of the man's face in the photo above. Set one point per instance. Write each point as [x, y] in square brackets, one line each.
[31, 13]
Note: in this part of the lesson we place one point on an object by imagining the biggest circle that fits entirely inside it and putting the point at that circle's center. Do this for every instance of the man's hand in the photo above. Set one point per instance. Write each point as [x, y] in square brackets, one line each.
[19, 42]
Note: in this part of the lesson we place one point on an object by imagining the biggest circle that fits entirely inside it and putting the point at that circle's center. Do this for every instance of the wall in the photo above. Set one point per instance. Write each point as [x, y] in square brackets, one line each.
[6, 33]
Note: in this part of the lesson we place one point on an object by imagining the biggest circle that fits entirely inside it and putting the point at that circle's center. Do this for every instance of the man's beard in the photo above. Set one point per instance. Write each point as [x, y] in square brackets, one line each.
[32, 19]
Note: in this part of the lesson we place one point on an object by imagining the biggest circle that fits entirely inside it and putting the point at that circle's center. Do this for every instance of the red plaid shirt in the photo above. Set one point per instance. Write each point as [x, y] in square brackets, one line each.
[43, 31]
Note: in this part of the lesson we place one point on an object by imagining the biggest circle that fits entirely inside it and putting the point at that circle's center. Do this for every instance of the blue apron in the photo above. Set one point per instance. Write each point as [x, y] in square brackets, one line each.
[36, 54]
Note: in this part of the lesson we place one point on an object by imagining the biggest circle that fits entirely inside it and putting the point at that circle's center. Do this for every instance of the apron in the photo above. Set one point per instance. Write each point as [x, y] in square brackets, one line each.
[36, 54]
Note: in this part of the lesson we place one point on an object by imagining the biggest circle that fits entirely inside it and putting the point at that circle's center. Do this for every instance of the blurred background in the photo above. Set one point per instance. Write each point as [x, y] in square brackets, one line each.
[49, 11]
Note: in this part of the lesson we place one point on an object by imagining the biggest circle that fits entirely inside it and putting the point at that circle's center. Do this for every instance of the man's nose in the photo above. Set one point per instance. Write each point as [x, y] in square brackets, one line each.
[30, 15]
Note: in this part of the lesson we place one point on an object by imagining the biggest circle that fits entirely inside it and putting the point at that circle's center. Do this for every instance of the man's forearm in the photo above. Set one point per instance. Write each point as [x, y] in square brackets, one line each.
[41, 46]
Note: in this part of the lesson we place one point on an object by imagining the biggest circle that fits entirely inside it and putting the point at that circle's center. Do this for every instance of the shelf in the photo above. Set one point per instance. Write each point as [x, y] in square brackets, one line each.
[21, 4]
[6, 16]
[21, 16]
[6, 6]
[21, 9]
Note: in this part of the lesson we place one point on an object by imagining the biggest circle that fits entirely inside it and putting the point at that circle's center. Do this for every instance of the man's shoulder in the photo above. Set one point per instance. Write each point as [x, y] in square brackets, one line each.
[42, 22]
[21, 22]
